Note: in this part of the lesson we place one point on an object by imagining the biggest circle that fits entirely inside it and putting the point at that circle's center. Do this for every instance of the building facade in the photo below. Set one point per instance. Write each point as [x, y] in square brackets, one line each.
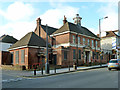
[70, 44]
[75, 44]
[111, 44]
[28, 50]
[6, 41]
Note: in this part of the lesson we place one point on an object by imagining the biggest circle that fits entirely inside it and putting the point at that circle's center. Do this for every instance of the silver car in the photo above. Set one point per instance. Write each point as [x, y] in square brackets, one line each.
[114, 64]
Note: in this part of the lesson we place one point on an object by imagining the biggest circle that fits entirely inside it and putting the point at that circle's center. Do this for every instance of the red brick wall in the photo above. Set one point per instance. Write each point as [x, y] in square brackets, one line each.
[32, 54]
[6, 58]
[26, 56]
[86, 39]
[42, 34]
[60, 39]
[37, 30]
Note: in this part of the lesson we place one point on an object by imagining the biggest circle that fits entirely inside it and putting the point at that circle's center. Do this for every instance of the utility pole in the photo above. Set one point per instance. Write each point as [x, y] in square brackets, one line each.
[77, 49]
[100, 36]
[47, 62]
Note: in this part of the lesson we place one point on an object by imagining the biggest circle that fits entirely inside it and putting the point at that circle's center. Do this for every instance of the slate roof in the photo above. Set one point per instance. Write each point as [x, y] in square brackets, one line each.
[8, 39]
[75, 28]
[30, 39]
[50, 29]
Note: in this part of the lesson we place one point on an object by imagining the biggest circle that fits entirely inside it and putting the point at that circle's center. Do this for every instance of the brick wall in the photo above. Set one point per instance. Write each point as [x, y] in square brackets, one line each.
[61, 39]
[25, 59]
[6, 58]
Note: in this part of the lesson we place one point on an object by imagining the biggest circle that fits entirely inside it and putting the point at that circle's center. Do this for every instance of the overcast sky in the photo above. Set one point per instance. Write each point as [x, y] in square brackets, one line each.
[17, 18]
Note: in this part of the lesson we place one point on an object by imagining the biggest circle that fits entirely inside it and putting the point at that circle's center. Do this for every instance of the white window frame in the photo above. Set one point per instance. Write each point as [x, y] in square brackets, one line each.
[92, 43]
[88, 41]
[83, 41]
[96, 44]
[74, 39]
[78, 40]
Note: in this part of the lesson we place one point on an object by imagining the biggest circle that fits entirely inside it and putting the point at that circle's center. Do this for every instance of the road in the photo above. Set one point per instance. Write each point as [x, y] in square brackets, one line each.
[95, 78]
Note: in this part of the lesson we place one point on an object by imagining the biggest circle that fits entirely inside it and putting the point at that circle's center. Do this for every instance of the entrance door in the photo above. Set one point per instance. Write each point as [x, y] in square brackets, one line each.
[55, 59]
[87, 56]
[11, 58]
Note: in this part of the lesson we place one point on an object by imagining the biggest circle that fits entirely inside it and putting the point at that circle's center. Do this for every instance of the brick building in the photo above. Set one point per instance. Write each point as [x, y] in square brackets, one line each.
[5, 42]
[73, 43]
[70, 44]
[28, 50]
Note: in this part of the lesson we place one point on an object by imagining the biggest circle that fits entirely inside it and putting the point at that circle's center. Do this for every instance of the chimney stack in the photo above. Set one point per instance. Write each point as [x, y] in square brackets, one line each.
[65, 20]
[38, 21]
[38, 26]
[77, 20]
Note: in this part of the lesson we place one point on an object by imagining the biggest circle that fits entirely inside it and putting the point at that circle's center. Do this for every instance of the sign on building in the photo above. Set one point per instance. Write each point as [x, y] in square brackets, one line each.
[113, 43]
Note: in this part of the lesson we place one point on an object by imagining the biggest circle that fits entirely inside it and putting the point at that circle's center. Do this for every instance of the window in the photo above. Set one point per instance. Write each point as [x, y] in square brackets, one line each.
[101, 57]
[96, 43]
[78, 40]
[12, 53]
[65, 55]
[92, 43]
[22, 56]
[17, 57]
[73, 39]
[74, 53]
[79, 54]
[97, 54]
[93, 54]
[83, 41]
[88, 41]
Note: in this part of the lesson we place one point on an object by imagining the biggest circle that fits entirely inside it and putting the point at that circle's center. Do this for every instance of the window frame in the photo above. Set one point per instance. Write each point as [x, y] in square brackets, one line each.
[22, 61]
[74, 40]
[16, 57]
[92, 43]
[65, 55]
[74, 54]
[83, 41]
[79, 39]
[79, 52]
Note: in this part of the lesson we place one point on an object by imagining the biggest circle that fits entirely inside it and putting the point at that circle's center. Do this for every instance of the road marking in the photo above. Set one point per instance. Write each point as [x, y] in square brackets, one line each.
[12, 80]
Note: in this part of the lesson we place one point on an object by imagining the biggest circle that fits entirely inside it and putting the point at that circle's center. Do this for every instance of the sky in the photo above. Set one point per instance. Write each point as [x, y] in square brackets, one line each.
[17, 18]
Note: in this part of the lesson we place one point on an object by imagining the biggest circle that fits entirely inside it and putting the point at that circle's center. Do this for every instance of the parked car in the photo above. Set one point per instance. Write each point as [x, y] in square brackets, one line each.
[114, 64]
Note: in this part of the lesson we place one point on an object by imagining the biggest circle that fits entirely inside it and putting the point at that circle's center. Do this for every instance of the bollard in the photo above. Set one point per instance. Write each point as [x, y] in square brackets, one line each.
[69, 67]
[55, 69]
[75, 67]
[34, 71]
[42, 70]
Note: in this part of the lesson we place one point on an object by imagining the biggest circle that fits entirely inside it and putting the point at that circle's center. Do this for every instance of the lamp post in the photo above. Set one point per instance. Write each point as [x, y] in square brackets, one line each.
[47, 62]
[100, 34]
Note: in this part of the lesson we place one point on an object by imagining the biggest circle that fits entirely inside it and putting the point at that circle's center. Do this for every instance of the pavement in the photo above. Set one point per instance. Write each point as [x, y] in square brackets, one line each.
[14, 76]
[93, 78]
[63, 70]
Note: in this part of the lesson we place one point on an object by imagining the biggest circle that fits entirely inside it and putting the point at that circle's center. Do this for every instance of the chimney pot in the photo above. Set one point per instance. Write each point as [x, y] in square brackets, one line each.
[65, 20]
[38, 21]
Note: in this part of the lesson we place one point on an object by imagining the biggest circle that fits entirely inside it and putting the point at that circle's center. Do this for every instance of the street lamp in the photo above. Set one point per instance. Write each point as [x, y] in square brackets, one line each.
[100, 33]
[47, 62]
